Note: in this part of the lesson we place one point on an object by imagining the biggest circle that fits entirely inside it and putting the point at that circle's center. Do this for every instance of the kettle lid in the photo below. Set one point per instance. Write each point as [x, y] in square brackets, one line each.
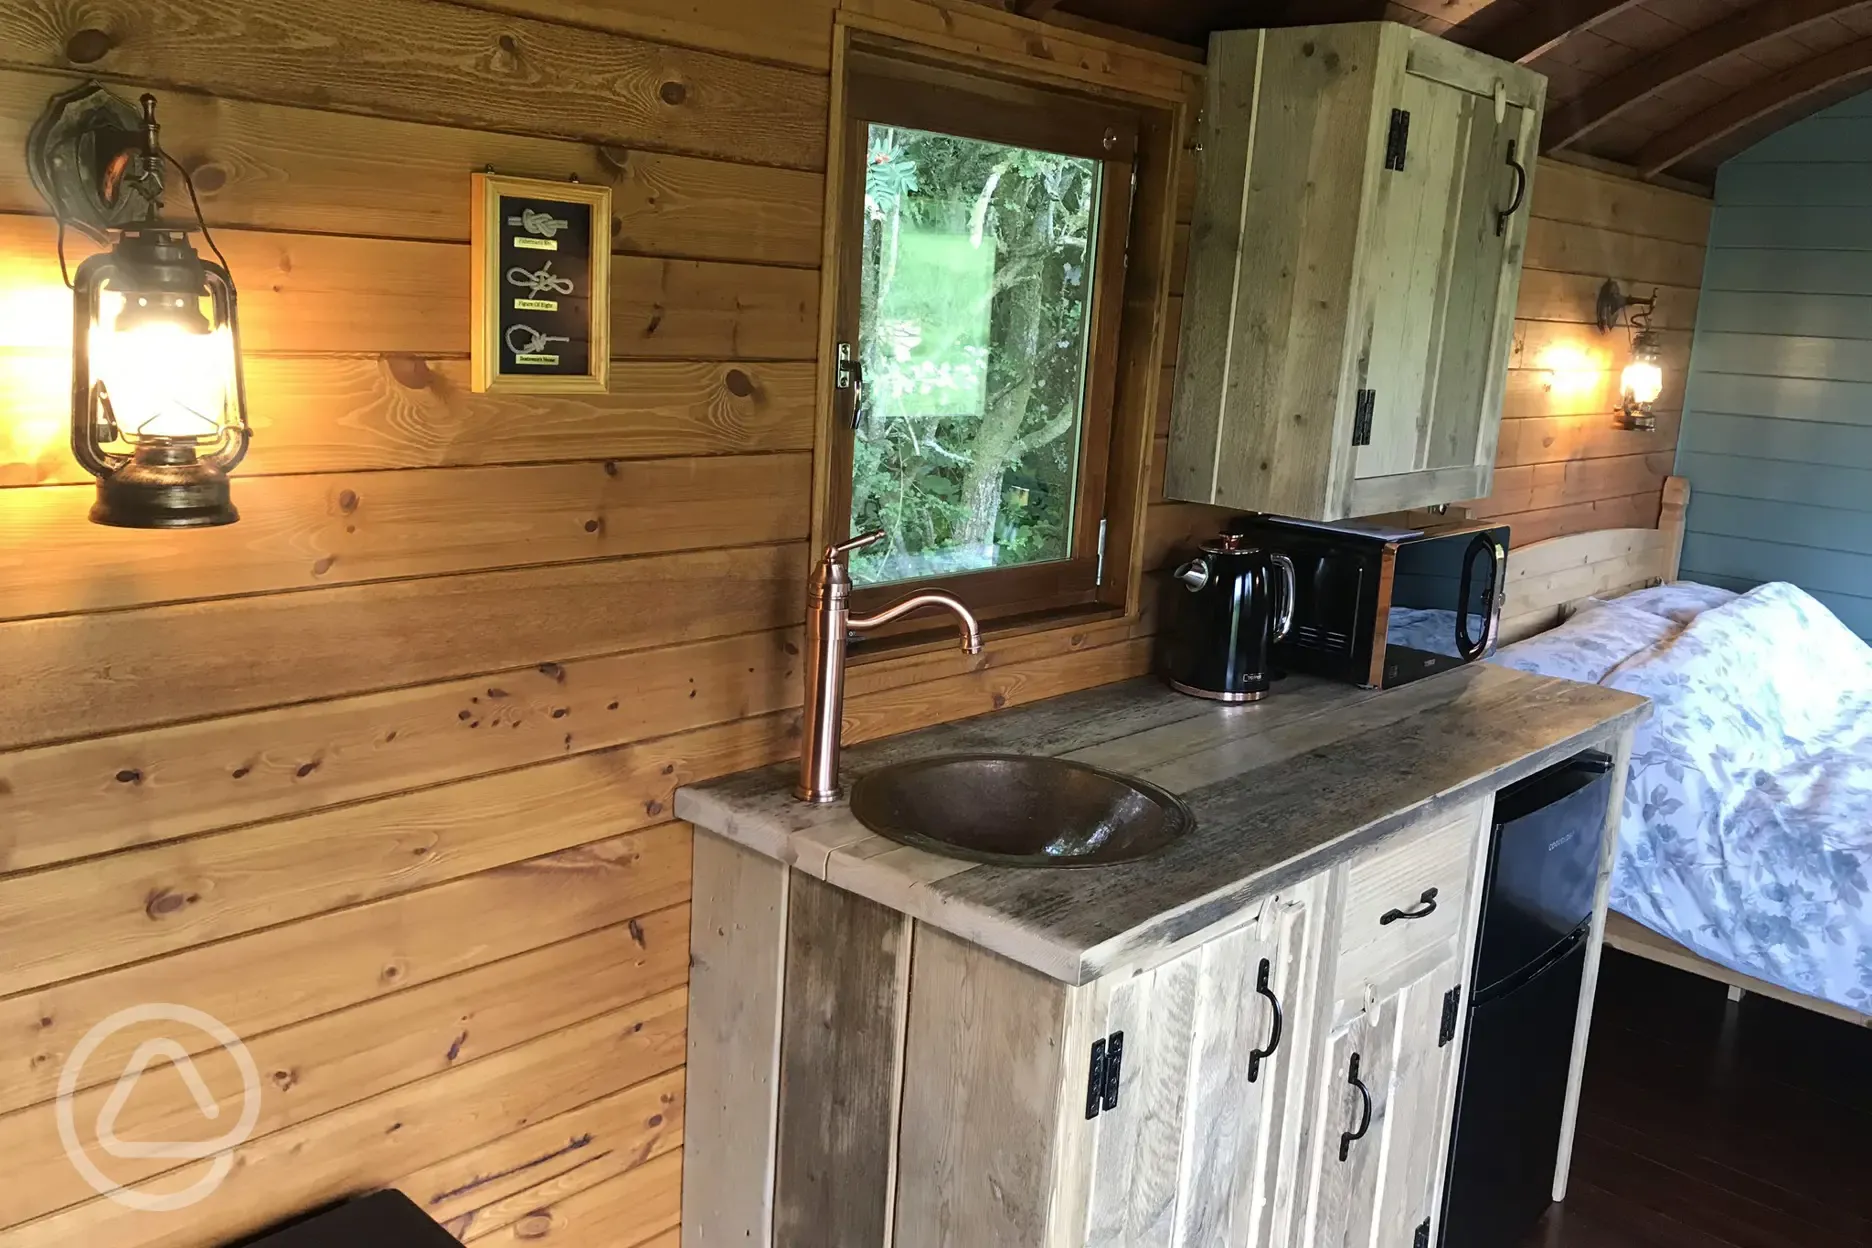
[1231, 544]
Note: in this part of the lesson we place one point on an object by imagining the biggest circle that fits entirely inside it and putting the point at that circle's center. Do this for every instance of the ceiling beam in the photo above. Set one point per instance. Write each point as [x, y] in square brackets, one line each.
[1574, 119]
[1763, 99]
[1035, 8]
[1543, 24]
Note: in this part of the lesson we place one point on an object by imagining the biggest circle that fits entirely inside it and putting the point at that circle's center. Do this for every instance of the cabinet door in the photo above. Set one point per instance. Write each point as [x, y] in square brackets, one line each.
[1383, 1119]
[1200, 1149]
[1442, 276]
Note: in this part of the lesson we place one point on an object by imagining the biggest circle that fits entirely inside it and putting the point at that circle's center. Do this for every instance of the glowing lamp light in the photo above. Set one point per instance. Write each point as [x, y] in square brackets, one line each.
[158, 414]
[1643, 380]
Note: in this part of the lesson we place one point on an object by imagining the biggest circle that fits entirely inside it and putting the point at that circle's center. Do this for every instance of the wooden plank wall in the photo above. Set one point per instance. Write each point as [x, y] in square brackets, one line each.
[1562, 466]
[1779, 438]
[380, 777]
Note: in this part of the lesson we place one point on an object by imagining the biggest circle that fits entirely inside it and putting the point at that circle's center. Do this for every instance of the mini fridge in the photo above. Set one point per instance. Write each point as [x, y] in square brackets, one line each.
[1523, 1001]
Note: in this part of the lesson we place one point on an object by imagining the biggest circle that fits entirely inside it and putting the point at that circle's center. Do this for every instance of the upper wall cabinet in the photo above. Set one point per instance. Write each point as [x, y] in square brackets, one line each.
[1354, 263]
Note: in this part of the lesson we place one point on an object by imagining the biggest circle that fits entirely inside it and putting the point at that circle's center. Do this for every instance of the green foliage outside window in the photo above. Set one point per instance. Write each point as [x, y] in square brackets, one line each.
[976, 292]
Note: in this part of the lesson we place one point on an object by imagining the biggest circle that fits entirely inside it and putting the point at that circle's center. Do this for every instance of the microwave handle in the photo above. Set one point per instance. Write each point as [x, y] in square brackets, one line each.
[1469, 649]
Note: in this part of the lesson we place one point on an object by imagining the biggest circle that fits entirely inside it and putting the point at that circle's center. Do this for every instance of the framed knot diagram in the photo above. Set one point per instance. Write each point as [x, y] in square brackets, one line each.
[542, 286]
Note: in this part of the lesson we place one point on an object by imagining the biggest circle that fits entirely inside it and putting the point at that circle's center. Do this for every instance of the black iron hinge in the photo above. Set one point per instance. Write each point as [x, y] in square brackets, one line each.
[1397, 144]
[1107, 1070]
[1362, 416]
[1423, 1235]
[1452, 1014]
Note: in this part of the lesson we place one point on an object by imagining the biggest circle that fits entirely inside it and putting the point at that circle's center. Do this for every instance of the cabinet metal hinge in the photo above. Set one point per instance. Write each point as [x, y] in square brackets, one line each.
[1362, 415]
[1423, 1235]
[1099, 578]
[1452, 1014]
[1397, 144]
[1107, 1070]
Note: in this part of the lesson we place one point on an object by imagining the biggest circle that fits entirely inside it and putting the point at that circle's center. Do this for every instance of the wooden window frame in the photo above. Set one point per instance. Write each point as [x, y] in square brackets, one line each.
[895, 84]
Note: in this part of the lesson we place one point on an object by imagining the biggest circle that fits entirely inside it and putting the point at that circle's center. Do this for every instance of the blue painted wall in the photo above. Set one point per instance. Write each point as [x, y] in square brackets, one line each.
[1777, 436]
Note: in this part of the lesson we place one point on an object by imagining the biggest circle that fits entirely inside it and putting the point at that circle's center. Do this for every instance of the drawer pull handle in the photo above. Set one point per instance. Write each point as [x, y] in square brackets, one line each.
[1364, 1124]
[1425, 907]
[1256, 1056]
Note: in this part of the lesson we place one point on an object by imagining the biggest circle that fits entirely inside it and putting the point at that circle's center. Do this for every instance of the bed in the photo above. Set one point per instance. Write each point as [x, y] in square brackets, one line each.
[1745, 852]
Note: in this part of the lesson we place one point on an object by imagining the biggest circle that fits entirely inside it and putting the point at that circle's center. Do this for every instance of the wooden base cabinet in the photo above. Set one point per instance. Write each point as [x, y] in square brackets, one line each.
[1285, 1078]
[1355, 259]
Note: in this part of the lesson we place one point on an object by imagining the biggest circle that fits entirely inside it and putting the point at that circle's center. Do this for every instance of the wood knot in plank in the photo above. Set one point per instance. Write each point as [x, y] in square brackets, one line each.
[673, 93]
[347, 501]
[536, 1225]
[88, 45]
[739, 383]
[306, 769]
[637, 932]
[130, 775]
[163, 902]
[411, 371]
[553, 672]
[209, 177]
[324, 565]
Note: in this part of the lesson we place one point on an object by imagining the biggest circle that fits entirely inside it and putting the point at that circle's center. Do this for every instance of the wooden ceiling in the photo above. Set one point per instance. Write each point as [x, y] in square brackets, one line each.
[1671, 88]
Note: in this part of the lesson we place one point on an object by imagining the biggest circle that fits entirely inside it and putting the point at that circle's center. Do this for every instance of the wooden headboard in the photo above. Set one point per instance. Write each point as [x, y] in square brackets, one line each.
[1547, 579]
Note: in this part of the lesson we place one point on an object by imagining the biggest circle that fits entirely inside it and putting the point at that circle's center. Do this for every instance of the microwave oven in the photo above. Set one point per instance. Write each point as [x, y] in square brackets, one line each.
[1381, 606]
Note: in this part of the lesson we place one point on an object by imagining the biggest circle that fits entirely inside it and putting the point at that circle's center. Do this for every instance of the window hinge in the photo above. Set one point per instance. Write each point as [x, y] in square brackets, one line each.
[849, 377]
[1099, 578]
[1362, 415]
[1397, 143]
[1106, 1072]
[1452, 1014]
[1423, 1235]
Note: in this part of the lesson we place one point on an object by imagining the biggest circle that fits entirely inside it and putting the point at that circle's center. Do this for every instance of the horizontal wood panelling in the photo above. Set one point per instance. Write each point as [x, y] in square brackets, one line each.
[423, 60]
[314, 292]
[335, 1060]
[797, 32]
[163, 898]
[1544, 440]
[339, 959]
[1536, 486]
[611, 1214]
[1567, 248]
[1778, 429]
[1579, 196]
[266, 166]
[89, 796]
[1639, 511]
[305, 532]
[371, 1143]
[474, 1193]
[120, 670]
[1550, 296]
[338, 413]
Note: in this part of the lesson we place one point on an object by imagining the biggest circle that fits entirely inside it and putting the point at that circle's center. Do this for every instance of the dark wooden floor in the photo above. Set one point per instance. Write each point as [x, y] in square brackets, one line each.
[1716, 1125]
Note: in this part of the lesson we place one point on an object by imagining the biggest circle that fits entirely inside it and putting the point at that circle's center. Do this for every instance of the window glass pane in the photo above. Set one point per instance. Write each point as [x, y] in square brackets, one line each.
[976, 293]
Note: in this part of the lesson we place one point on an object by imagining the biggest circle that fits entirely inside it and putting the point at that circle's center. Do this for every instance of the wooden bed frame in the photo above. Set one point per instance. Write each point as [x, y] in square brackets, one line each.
[1547, 581]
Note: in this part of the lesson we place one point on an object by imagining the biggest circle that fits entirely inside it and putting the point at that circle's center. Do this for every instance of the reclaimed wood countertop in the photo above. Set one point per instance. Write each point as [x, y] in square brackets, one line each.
[1281, 790]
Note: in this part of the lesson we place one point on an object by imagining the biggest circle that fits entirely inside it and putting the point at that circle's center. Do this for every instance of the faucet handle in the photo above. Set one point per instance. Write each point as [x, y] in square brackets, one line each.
[835, 553]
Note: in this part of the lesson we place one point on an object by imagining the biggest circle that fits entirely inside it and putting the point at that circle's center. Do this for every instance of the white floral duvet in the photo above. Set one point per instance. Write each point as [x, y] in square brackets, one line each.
[1747, 831]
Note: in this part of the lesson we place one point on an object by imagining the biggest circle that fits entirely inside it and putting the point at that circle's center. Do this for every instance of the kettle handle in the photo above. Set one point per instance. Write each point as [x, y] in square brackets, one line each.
[1283, 624]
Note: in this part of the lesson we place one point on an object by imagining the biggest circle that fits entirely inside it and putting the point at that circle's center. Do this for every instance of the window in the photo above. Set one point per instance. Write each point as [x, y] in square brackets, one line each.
[981, 299]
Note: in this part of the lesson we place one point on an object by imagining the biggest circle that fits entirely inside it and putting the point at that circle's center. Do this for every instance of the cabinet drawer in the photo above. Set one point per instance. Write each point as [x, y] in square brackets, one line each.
[1388, 882]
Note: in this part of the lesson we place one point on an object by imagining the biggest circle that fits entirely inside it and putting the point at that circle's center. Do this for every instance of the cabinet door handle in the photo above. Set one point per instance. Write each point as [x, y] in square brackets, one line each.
[1520, 193]
[1425, 907]
[1256, 1056]
[1364, 1122]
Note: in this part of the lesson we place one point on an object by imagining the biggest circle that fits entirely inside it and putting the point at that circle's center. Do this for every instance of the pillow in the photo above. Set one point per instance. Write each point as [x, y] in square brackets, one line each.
[1681, 601]
[1591, 644]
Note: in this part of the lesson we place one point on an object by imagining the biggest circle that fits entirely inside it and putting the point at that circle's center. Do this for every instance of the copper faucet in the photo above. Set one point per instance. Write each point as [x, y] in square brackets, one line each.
[829, 622]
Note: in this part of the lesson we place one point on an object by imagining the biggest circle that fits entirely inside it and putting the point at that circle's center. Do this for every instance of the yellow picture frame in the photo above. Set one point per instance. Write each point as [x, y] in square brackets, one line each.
[493, 368]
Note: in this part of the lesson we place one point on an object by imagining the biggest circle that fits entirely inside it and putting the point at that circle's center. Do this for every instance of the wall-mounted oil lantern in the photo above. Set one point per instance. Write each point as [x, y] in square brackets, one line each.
[158, 413]
[1643, 380]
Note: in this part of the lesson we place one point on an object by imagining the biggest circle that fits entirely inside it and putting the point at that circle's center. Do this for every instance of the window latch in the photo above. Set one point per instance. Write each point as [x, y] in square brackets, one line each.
[850, 377]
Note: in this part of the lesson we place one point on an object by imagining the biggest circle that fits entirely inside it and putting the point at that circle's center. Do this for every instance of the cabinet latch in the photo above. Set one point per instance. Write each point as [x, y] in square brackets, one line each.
[1397, 144]
[1452, 1014]
[1107, 1069]
[1423, 1235]
[1362, 415]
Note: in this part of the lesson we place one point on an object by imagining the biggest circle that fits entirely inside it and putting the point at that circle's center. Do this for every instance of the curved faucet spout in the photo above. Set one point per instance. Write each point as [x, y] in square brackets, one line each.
[971, 631]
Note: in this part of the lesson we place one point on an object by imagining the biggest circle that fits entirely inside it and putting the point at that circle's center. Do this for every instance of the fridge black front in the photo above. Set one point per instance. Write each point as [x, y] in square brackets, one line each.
[1524, 1000]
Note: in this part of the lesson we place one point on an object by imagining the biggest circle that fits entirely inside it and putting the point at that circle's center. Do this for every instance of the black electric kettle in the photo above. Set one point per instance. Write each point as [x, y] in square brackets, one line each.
[1225, 621]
